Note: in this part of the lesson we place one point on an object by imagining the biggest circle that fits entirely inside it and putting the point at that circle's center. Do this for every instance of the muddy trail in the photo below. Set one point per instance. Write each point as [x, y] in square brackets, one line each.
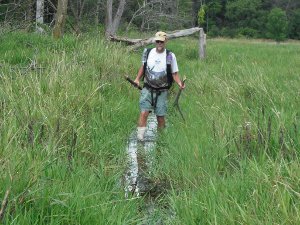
[139, 180]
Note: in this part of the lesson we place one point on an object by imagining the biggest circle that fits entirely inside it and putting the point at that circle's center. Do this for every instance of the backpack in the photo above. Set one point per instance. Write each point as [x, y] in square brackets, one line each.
[169, 69]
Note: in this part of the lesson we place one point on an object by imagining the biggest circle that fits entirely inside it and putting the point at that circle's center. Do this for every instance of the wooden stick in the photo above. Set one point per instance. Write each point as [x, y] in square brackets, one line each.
[4, 204]
[176, 104]
[133, 83]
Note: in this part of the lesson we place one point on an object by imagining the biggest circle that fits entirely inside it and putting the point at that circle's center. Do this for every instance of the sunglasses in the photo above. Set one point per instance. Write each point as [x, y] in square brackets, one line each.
[159, 42]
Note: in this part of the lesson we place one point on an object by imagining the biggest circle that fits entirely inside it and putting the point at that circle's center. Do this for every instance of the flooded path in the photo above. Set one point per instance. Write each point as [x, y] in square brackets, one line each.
[141, 158]
[139, 176]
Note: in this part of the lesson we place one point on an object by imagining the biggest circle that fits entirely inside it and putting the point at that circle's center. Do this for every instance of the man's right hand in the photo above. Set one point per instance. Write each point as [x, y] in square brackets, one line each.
[137, 82]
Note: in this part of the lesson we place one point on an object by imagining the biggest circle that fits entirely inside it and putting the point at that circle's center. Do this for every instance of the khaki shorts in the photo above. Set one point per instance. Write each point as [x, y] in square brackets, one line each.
[147, 102]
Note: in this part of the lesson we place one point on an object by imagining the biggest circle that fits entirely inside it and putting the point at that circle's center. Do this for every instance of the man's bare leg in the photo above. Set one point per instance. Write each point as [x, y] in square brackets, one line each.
[142, 125]
[161, 122]
[143, 119]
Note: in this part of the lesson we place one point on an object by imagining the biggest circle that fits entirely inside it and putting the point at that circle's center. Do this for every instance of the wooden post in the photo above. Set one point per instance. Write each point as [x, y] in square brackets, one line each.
[202, 44]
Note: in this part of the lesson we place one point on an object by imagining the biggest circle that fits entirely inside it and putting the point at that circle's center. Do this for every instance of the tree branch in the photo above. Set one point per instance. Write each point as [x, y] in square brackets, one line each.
[137, 43]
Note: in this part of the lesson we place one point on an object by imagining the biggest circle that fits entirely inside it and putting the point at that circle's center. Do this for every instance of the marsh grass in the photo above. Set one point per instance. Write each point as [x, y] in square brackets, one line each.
[228, 163]
[64, 127]
[62, 131]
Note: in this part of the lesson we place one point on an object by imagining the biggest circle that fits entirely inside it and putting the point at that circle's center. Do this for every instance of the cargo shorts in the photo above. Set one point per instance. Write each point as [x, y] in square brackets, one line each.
[147, 101]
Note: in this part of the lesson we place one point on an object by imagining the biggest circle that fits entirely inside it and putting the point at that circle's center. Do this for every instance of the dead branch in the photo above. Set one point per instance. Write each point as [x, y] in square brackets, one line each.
[143, 9]
[137, 43]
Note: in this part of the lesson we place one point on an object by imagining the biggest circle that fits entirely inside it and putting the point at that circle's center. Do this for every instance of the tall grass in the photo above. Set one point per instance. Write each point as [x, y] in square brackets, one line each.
[64, 125]
[63, 130]
[235, 159]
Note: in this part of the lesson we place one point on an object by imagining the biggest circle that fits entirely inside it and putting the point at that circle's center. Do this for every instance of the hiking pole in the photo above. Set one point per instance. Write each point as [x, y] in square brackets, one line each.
[176, 104]
[133, 83]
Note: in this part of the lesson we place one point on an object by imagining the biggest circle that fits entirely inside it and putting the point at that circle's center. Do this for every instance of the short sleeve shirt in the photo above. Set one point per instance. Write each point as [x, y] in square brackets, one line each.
[156, 71]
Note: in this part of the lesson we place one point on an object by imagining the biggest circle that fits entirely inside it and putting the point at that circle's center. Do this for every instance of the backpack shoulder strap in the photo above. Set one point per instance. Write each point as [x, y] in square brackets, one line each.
[169, 68]
[148, 52]
[146, 58]
[169, 56]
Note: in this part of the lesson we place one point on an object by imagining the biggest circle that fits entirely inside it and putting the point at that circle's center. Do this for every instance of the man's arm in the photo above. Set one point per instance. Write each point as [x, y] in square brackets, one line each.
[177, 80]
[139, 75]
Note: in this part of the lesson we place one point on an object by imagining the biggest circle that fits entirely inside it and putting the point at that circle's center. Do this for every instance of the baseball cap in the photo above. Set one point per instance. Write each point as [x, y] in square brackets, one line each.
[160, 36]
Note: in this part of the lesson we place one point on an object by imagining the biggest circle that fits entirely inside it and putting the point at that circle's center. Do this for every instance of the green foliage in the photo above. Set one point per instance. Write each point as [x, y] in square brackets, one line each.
[240, 13]
[213, 31]
[277, 24]
[213, 16]
[295, 24]
[247, 18]
[228, 32]
[247, 32]
[201, 15]
[214, 8]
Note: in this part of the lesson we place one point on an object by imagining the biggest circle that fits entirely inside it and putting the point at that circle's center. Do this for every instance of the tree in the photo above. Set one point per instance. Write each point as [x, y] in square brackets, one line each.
[201, 15]
[112, 23]
[242, 13]
[97, 13]
[195, 11]
[153, 14]
[277, 24]
[39, 15]
[60, 18]
[28, 13]
[77, 8]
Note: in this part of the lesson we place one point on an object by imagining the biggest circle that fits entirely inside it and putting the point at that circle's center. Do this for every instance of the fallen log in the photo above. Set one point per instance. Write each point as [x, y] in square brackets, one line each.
[128, 41]
[137, 43]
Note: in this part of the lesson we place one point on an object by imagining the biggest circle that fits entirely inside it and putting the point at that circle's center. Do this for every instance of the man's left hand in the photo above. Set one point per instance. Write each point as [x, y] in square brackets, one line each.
[181, 85]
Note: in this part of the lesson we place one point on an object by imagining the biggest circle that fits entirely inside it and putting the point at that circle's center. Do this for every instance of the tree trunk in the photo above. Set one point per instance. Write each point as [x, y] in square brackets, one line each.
[108, 21]
[60, 18]
[113, 23]
[77, 10]
[97, 12]
[29, 13]
[39, 16]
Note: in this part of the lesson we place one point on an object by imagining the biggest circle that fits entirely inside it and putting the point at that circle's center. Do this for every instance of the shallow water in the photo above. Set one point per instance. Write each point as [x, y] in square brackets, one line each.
[140, 159]
[139, 180]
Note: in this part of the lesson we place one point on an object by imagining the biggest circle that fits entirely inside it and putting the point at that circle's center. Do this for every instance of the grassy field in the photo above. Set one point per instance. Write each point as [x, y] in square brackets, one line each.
[65, 119]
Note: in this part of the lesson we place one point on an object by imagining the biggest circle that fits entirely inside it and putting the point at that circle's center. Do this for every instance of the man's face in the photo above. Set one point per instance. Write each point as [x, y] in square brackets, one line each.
[160, 45]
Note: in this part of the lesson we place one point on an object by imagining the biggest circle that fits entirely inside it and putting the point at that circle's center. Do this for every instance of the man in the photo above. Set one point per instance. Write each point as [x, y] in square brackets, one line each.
[159, 69]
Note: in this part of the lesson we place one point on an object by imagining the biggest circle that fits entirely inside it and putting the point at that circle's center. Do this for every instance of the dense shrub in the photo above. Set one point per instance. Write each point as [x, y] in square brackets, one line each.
[247, 32]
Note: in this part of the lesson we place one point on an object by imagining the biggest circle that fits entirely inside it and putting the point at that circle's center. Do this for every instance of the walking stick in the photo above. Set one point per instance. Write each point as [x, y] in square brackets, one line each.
[176, 104]
[133, 83]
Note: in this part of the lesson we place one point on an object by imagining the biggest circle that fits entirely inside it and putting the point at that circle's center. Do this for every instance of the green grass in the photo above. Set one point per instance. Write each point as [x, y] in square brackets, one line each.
[64, 128]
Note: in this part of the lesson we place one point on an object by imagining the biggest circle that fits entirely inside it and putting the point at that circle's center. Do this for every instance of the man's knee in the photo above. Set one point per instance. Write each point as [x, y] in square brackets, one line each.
[144, 114]
[161, 121]
[143, 119]
[160, 118]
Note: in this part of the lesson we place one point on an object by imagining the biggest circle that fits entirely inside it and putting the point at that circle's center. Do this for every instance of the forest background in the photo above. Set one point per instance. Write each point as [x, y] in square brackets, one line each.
[277, 19]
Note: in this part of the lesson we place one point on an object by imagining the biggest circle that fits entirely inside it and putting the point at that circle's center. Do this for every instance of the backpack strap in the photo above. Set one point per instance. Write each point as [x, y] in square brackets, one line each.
[169, 68]
[145, 63]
